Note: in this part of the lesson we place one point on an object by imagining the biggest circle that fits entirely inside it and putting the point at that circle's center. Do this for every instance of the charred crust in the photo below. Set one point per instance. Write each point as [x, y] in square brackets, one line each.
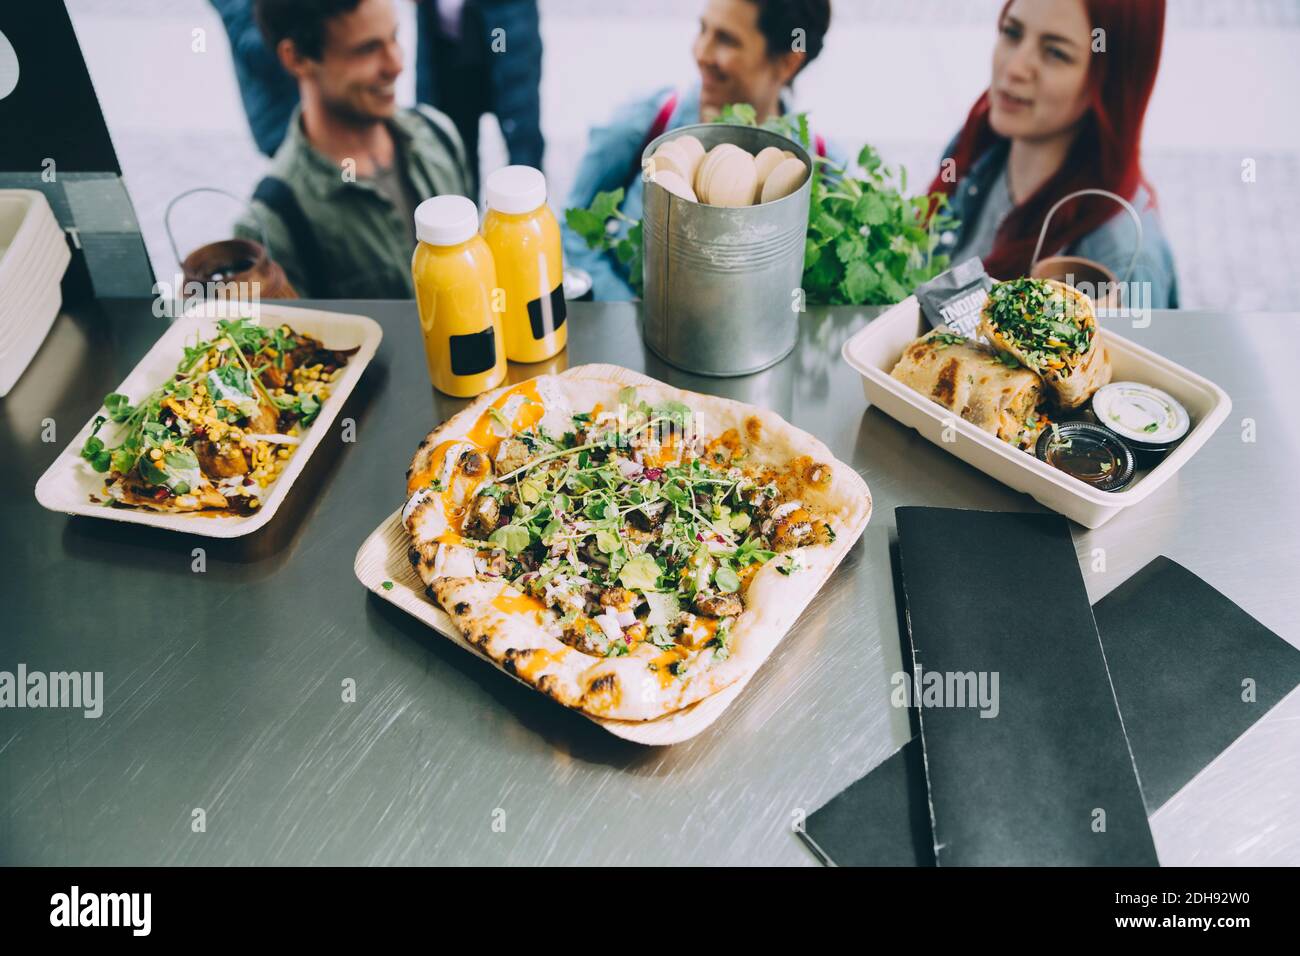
[604, 684]
[945, 388]
[462, 607]
[413, 556]
[429, 591]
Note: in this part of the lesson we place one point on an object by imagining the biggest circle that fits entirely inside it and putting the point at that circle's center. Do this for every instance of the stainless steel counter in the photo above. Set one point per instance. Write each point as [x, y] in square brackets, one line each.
[224, 688]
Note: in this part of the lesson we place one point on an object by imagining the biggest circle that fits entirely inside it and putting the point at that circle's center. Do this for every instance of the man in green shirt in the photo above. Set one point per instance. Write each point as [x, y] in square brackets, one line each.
[337, 205]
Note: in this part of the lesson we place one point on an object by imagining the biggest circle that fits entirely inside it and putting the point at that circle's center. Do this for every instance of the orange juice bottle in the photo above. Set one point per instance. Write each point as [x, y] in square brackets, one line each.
[455, 281]
[524, 238]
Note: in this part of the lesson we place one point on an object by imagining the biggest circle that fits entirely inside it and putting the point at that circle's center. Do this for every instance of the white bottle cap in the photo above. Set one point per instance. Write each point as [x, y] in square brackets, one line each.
[446, 220]
[515, 189]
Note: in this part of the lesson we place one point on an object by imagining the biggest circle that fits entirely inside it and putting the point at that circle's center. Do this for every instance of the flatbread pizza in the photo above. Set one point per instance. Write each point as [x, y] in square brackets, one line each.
[628, 551]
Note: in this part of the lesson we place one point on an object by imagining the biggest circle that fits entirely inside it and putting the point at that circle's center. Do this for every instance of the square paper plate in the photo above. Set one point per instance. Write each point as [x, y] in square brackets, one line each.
[70, 481]
[876, 349]
[382, 558]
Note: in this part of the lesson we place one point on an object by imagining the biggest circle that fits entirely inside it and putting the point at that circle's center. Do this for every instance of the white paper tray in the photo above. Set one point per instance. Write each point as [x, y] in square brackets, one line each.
[33, 257]
[382, 566]
[876, 349]
[69, 482]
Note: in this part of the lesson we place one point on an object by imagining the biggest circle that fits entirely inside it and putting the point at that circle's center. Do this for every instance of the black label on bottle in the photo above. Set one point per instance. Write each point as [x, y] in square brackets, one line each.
[547, 313]
[473, 354]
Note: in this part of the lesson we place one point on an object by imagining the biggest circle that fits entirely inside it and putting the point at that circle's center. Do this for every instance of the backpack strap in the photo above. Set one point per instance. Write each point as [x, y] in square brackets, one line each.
[276, 195]
[452, 146]
[657, 129]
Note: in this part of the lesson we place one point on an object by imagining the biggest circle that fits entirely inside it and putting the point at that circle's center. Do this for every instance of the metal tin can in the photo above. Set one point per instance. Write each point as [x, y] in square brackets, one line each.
[723, 286]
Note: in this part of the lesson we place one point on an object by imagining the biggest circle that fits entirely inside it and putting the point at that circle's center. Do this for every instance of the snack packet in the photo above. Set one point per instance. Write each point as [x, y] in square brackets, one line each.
[953, 299]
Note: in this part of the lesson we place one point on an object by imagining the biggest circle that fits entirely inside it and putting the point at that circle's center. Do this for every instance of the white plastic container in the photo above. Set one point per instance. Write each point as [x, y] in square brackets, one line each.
[33, 257]
[876, 349]
[69, 482]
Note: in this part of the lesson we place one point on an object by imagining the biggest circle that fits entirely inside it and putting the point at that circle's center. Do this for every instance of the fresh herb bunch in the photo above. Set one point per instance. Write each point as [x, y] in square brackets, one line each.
[1040, 320]
[868, 244]
[594, 224]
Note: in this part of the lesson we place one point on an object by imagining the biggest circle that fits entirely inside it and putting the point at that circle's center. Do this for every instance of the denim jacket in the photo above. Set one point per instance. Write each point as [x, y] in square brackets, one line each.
[1111, 243]
[613, 160]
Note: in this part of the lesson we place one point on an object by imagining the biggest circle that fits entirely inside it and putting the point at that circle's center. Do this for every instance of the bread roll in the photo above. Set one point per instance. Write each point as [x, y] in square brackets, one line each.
[784, 179]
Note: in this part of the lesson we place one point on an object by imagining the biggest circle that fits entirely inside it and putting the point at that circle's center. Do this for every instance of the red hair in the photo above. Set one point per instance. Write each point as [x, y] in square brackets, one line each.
[1105, 150]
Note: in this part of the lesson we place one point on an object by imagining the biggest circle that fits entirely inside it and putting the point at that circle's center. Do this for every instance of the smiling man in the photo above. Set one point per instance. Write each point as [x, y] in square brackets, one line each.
[338, 203]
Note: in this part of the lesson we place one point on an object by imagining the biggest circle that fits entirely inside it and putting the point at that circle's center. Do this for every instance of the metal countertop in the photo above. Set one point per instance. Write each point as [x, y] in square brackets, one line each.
[223, 688]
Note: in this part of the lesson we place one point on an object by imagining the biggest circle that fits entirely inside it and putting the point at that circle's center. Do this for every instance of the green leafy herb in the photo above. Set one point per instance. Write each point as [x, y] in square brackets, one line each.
[726, 579]
[641, 572]
[511, 538]
[592, 224]
[948, 338]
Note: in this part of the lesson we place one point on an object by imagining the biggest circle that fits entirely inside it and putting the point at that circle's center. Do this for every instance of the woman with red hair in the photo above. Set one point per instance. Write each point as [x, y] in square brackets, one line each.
[1071, 82]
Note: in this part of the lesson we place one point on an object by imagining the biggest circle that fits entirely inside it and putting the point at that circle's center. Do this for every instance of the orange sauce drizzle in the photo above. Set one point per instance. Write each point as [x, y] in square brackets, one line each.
[529, 413]
[537, 660]
[662, 663]
[517, 603]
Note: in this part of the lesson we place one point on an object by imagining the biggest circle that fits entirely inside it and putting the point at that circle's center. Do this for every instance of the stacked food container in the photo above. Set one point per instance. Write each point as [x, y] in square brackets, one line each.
[33, 257]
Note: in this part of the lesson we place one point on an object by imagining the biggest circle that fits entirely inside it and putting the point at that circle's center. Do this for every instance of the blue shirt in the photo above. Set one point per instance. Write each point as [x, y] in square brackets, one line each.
[268, 91]
[1112, 243]
[613, 160]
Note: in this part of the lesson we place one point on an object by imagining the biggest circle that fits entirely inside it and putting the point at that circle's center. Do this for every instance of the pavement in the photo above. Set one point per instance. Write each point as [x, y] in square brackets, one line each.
[900, 74]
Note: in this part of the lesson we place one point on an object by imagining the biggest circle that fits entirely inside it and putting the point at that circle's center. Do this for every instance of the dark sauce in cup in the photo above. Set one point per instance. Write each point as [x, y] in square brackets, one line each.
[1089, 452]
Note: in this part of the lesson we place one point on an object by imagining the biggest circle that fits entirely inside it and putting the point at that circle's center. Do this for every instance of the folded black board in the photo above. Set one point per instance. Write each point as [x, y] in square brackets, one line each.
[1177, 652]
[882, 819]
[1180, 656]
[1048, 778]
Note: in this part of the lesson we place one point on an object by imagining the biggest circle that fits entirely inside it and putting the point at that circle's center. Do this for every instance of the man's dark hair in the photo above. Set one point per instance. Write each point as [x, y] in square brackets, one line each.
[778, 19]
[302, 21]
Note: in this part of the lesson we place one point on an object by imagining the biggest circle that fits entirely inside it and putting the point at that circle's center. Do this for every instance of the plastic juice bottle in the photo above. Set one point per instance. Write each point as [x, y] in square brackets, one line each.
[455, 280]
[524, 238]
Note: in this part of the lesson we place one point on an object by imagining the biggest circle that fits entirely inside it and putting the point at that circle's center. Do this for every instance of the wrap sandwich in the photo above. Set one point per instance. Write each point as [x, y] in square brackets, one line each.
[972, 381]
[1051, 329]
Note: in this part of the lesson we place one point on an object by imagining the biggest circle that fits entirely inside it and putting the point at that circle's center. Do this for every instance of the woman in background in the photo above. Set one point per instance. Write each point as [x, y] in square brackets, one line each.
[1071, 82]
[745, 52]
